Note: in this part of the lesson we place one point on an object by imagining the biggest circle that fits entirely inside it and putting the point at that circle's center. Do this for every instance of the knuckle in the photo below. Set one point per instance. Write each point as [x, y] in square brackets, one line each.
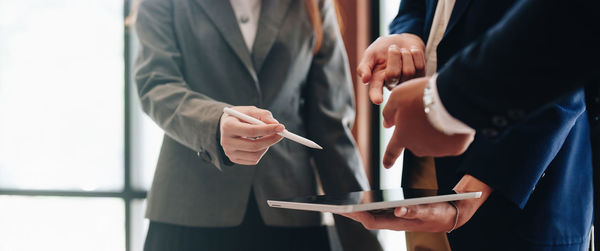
[411, 213]
[361, 67]
[393, 72]
[252, 131]
[386, 112]
[416, 51]
[226, 124]
[226, 144]
[263, 145]
[409, 71]
[395, 52]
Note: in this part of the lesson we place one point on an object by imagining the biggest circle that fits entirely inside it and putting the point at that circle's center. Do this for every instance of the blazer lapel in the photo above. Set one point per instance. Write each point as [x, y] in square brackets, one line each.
[223, 17]
[459, 9]
[272, 14]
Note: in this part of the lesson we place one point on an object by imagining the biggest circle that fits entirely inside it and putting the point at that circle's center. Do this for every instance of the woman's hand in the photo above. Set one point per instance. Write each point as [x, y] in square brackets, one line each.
[245, 143]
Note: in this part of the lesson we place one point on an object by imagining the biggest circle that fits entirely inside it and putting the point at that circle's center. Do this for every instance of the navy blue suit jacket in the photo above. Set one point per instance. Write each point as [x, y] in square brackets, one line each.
[535, 169]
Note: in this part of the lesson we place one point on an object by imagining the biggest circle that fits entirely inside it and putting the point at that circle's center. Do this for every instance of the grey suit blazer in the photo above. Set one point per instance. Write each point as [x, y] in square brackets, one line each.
[193, 62]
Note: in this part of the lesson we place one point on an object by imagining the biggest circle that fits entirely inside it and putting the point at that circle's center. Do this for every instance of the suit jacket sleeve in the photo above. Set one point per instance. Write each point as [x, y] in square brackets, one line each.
[539, 51]
[410, 18]
[329, 112]
[514, 163]
[187, 116]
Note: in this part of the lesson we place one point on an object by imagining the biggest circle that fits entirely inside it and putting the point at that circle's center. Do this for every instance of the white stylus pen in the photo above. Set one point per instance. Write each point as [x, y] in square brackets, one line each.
[285, 133]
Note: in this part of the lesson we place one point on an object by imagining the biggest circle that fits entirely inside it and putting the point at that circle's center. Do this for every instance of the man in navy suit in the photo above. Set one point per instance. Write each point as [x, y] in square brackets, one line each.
[534, 169]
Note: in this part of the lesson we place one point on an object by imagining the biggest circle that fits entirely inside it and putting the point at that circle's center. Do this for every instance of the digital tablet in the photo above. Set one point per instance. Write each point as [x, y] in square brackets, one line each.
[376, 201]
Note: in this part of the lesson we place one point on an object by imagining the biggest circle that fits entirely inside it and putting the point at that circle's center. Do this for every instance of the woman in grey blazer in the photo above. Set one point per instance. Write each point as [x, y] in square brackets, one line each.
[212, 181]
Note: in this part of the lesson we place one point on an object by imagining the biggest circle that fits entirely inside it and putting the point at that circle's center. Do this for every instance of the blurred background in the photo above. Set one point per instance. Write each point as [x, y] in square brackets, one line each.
[74, 169]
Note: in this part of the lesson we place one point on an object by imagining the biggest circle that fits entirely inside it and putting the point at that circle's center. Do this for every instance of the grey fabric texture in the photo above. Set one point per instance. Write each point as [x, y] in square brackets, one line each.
[193, 62]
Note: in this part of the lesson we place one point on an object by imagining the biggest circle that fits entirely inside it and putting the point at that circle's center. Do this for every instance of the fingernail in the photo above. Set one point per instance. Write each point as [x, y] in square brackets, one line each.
[393, 47]
[404, 50]
[280, 128]
[401, 212]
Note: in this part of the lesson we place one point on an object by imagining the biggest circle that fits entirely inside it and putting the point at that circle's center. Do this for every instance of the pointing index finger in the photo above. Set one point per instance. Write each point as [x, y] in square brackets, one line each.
[394, 149]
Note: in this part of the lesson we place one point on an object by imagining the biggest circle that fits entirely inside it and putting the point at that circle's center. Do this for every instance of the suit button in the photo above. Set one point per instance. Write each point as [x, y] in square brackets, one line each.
[597, 99]
[499, 121]
[490, 133]
[516, 114]
[596, 118]
[244, 19]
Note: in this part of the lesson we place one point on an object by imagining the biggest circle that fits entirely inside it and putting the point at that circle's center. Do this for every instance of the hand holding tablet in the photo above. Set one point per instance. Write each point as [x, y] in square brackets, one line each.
[375, 201]
[398, 209]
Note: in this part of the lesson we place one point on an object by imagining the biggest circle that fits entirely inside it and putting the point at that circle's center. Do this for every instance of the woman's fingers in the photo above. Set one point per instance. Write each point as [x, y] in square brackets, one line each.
[235, 127]
[246, 143]
[246, 158]
[249, 145]
[260, 114]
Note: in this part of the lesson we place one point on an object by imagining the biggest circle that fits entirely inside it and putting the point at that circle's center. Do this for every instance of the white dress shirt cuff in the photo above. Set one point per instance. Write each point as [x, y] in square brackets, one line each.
[437, 114]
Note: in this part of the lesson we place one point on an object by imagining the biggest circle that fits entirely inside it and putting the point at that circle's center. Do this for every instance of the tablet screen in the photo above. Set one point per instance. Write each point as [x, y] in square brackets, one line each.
[362, 197]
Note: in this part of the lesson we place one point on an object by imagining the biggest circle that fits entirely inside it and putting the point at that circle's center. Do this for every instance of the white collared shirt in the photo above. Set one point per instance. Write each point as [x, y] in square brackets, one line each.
[441, 18]
[247, 13]
[438, 116]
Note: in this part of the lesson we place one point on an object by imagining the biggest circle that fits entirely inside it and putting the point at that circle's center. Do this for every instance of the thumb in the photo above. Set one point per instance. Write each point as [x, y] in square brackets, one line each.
[263, 115]
[411, 212]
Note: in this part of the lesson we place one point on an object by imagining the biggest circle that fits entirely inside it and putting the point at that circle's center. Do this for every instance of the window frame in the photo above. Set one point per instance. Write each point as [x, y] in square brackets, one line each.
[129, 193]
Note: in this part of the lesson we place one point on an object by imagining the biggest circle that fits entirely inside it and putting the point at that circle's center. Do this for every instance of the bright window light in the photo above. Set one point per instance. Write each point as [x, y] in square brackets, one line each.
[61, 94]
[61, 224]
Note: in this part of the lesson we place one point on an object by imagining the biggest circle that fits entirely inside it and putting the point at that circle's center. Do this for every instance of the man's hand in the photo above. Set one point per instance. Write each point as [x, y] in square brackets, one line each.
[390, 60]
[405, 110]
[245, 143]
[436, 217]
